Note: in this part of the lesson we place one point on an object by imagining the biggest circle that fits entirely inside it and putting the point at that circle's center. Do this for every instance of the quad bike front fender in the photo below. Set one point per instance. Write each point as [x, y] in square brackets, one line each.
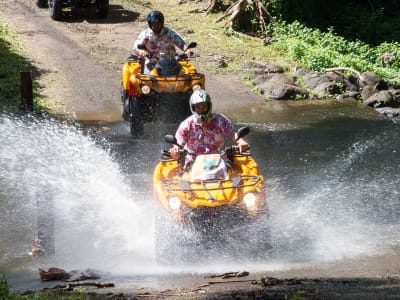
[129, 82]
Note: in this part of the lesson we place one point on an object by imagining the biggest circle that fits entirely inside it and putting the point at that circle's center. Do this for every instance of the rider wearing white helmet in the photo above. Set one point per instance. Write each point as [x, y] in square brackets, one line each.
[201, 100]
[204, 132]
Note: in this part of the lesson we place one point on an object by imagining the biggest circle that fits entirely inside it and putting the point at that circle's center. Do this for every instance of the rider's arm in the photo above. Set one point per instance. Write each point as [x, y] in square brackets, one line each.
[140, 40]
[242, 143]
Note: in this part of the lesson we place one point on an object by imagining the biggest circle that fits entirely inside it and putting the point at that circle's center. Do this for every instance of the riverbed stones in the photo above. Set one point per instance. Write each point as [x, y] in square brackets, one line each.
[274, 84]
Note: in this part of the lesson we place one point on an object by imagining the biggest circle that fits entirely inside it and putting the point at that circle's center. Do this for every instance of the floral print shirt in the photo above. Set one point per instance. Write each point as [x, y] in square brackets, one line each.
[204, 138]
[163, 43]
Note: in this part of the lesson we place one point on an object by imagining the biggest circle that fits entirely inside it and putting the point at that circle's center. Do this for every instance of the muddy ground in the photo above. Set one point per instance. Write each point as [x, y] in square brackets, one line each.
[80, 61]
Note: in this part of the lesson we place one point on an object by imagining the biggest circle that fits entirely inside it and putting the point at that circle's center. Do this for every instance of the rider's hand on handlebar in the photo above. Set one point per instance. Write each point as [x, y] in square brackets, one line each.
[174, 151]
[242, 145]
[141, 52]
[189, 52]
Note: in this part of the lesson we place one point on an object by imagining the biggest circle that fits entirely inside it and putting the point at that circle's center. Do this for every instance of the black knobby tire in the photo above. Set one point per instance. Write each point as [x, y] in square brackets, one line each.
[102, 7]
[55, 9]
[135, 117]
[42, 3]
[124, 104]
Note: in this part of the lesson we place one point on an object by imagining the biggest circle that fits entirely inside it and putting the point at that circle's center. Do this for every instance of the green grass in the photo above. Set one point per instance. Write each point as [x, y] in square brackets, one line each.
[316, 50]
[5, 294]
[12, 62]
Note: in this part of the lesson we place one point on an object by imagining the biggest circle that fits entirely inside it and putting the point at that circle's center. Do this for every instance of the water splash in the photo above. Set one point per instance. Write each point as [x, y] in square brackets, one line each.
[98, 223]
[343, 209]
[101, 222]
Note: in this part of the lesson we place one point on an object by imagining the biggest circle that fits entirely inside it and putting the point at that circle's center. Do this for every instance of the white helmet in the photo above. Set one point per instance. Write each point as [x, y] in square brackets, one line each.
[201, 96]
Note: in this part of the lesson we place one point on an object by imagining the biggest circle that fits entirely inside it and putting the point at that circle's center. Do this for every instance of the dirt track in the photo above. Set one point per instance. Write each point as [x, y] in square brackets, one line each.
[81, 58]
[80, 62]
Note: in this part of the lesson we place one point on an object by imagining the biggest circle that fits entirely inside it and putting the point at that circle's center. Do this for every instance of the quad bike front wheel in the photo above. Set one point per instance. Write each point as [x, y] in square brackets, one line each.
[42, 3]
[135, 117]
[102, 7]
[124, 104]
[55, 9]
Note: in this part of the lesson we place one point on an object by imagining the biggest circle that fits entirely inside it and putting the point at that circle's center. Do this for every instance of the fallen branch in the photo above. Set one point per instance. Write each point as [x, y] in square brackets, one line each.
[70, 286]
[345, 69]
[229, 275]
[231, 281]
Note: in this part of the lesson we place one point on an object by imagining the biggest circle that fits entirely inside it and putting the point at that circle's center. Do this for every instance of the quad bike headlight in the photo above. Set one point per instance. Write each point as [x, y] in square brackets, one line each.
[174, 203]
[145, 89]
[250, 200]
[196, 87]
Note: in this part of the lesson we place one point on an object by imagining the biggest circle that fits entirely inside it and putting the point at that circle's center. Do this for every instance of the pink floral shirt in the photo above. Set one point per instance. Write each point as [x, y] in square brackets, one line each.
[163, 43]
[203, 138]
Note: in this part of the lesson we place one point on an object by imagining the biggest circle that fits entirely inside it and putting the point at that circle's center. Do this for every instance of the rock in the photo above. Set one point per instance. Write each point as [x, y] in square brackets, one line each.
[326, 89]
[349, 96]
[391, 113]
[53, 274]
[367, 92]
[384, 98]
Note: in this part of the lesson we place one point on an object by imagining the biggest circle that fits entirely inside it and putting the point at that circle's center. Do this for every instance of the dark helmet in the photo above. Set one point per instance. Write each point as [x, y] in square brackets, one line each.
[155, 17]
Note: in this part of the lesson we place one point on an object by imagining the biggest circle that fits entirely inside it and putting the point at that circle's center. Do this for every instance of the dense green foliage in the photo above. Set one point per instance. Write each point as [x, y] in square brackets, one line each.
[316, 50]
[371, 21]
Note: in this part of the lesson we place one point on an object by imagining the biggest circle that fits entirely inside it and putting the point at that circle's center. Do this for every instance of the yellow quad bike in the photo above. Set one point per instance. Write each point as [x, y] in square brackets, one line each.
[218, 205]
[163, 95]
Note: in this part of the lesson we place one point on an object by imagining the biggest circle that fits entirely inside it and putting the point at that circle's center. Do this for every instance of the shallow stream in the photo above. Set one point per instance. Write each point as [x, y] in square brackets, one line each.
[332, 172]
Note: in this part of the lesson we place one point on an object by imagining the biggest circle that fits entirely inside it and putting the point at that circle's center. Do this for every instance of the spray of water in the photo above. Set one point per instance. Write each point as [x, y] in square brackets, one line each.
[345, 209]
[100, 222]
[74, 180]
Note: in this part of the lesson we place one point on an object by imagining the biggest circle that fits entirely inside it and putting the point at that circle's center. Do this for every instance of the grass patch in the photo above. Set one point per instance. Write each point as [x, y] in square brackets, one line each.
[317, 50]
[13, 61]
[5, 294]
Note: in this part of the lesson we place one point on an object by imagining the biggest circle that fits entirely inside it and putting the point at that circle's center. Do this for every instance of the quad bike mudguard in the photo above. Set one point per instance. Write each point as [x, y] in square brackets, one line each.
[180, 189]
[243, 178]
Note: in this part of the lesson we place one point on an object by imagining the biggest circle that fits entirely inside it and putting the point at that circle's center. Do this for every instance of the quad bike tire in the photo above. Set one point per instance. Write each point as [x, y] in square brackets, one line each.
[55, 9]
[135, 118]
[124, 104]
[42, 3]
[102, 7]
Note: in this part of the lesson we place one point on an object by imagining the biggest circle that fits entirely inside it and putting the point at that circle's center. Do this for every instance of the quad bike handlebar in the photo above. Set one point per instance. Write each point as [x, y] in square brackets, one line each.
[182, 56]
[165, 155]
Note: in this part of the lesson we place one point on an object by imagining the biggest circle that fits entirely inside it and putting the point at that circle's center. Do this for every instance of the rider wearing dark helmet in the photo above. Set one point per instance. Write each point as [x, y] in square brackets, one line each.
[158, 40]
[204, 131]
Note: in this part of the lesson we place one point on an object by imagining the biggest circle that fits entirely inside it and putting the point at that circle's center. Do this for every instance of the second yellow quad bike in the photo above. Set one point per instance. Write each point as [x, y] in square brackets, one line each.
[161, 95]
[217, 204]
